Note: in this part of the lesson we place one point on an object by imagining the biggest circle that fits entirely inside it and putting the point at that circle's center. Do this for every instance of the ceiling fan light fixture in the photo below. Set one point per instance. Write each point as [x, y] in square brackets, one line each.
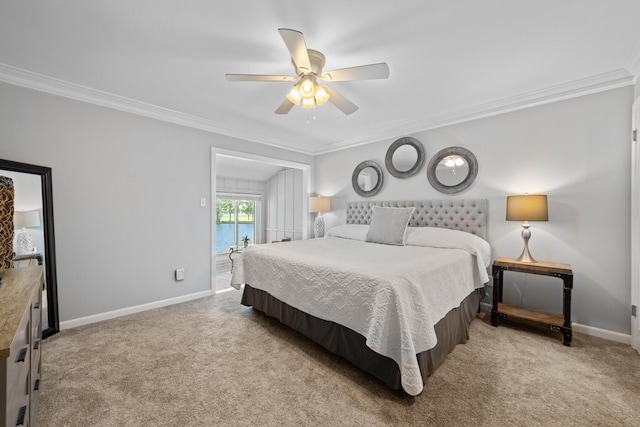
[321, 96]
[308, 65]
[294, 96]
[308, 103]
[307, 88]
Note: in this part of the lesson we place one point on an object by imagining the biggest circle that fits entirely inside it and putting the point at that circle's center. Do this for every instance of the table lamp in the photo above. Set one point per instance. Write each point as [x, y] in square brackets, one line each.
[528, 207]
[319, 205]
[23, 220]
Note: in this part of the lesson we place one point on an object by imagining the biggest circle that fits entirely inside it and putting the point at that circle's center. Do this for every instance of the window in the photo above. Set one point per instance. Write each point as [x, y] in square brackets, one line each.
[235, 219]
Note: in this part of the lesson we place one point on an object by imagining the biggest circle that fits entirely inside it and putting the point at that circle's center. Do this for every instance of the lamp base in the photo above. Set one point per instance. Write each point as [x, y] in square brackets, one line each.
[24, 243]
[318, 226]
[525, 256]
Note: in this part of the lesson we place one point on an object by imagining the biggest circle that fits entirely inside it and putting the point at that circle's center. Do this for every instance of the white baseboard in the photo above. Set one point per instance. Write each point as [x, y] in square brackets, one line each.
[602, 333]
[74, 323]
[485, 307]
[584, 329]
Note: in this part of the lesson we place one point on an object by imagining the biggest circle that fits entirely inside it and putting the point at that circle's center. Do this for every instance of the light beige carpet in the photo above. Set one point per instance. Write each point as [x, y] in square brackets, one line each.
[214, 362]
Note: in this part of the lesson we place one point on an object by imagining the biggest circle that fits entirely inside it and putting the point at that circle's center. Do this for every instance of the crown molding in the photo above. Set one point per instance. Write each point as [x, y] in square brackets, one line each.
[598, 83]
[586, 86]
[20, 77]
[633, 66]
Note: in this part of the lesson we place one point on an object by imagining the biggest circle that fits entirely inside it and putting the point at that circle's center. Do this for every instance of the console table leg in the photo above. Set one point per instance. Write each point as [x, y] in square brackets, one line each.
[497, 294]
[566, 309]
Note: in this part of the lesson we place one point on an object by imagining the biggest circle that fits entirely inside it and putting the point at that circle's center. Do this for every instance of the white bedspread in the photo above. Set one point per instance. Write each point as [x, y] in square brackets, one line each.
[392, 295]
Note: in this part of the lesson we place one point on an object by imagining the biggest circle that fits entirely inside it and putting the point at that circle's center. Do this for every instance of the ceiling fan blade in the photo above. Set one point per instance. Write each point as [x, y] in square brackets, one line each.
[297, 48]
[363, 72]
[258, 78]
[342, 103]
[285, 107]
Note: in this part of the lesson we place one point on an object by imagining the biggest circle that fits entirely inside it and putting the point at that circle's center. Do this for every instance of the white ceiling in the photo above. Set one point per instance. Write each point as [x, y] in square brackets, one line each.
[449, 61]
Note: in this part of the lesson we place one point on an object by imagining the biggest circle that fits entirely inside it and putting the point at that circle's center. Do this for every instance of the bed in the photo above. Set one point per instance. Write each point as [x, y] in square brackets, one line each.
[393, 291]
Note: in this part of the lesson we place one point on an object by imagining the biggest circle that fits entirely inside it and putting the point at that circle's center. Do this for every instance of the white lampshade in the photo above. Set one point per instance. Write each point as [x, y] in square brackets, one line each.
[319, 204]
[26, 219]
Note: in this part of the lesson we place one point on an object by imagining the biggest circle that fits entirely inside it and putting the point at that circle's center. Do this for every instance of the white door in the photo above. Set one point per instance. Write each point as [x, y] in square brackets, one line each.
[635, 228]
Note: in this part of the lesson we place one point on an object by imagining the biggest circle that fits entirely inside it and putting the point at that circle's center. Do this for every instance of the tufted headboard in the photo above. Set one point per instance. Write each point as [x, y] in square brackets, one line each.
[455, 214]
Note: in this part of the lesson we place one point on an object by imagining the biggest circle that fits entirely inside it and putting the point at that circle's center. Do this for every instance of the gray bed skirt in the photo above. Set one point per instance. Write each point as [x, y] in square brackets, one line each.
[453, 329]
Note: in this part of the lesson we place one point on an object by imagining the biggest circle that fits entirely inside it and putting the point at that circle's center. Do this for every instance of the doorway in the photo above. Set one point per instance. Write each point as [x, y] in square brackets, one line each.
[250, 218]
[235, 221]
[236, 227]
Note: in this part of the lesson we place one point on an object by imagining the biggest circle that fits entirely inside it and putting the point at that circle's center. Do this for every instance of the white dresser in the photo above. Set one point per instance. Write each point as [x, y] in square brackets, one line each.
[20, 340]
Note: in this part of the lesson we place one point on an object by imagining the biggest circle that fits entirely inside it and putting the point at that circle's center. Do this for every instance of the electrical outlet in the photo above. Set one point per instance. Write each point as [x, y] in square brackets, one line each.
[180, 274]
[203, 201]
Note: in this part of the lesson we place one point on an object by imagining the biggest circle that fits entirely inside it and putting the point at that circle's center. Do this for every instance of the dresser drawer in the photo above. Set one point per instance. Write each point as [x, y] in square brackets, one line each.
[36, 354]
[36, 332]
[19, 360]
[19, 411]
[36, 317]
[18, 366]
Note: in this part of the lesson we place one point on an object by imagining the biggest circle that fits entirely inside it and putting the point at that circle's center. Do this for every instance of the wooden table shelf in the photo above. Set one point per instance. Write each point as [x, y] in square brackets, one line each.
[556, 322]
[531, 315]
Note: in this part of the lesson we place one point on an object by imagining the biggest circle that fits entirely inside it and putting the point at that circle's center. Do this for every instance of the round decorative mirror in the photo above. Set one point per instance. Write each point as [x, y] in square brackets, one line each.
[367, 178]
[404, 157]
[452, 170]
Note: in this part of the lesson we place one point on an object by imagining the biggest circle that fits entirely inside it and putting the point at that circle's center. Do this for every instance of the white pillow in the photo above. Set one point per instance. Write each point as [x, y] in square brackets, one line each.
[389, 225]
[348, 231]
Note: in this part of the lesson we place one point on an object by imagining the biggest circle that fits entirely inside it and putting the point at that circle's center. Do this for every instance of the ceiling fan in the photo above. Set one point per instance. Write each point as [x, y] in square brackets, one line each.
[308, 64]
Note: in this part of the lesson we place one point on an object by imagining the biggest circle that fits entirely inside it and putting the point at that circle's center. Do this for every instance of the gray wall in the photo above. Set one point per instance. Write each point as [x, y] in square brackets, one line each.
[127, 195]
[127, 192]
[578, 153]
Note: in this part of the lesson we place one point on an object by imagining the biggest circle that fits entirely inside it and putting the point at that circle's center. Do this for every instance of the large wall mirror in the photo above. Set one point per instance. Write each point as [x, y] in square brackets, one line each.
[452, 170]
[404, 157]
[367, 178]
[33, 211]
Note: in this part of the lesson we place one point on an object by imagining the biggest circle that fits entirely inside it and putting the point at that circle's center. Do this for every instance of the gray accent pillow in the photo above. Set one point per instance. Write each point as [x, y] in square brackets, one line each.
[388, 225]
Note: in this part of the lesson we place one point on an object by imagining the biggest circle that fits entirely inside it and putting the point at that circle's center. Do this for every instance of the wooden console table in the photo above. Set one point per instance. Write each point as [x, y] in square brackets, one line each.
[555, 322]
[28, 256]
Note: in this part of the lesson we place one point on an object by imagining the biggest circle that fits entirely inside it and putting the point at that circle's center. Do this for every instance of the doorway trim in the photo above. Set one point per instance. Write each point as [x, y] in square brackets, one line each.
[306, 191]
[635, 225]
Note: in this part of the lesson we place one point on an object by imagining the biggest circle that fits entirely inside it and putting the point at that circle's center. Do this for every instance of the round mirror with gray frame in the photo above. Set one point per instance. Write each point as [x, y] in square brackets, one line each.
[367, 178]
[404, 157]
[452, 170]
